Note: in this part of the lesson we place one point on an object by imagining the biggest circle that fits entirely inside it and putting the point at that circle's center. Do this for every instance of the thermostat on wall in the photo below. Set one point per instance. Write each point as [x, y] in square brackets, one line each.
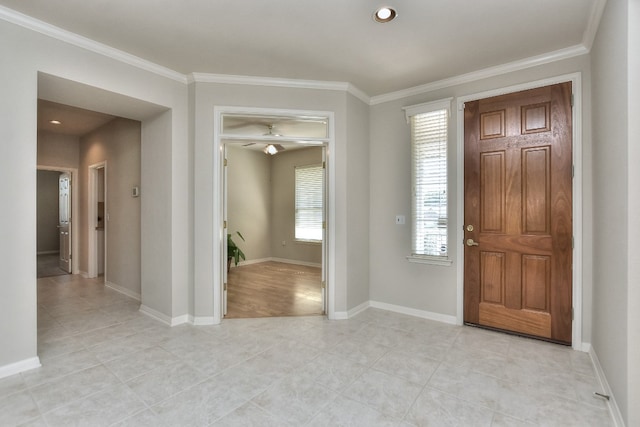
[135, 192]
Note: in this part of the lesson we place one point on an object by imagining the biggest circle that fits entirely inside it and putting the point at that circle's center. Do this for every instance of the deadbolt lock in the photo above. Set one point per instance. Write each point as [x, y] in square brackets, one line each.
[469, 227]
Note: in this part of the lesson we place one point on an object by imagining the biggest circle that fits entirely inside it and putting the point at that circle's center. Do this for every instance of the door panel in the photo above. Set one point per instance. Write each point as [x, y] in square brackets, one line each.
[64, 221]
[518, 202]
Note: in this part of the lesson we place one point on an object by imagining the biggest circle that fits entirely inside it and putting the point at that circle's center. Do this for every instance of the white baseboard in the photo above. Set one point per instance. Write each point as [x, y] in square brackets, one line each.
[201, 320]
[169, 321]
[339, 315]
[439, 317]
[123, 290]
[21, 366]
[47, 252]
[84, 274]
[359, 309]
[283, 260]
[614, 410]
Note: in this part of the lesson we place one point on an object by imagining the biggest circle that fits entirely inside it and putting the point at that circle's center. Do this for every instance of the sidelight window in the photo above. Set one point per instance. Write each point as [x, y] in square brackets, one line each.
[429, 214]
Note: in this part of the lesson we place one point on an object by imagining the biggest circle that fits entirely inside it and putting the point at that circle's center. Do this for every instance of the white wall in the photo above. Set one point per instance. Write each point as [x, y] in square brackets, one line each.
[633, 333]
[610, 149]
[432, 288]
[30, 53]
[117, 143]
[47, 222]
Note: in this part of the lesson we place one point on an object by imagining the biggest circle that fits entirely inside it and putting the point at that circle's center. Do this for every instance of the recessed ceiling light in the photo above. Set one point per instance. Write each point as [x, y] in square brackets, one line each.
[55, 122]
[270, 149]
[384, 14]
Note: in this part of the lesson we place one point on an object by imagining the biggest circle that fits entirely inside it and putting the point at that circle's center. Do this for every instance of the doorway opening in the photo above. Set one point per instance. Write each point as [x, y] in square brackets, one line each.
[98, 220]
[275, 207]
[56, 230]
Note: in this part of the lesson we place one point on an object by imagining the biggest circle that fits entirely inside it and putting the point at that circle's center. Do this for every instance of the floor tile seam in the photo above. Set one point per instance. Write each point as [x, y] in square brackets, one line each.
[420, 384]
[375, 408]
[312, 416]
[33, 401]
[57, 378]
[468, 402]
[415, 399]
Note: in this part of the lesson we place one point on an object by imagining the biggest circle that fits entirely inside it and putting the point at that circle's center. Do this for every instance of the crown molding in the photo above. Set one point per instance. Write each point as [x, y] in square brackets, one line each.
[41, 27]
[533, 61]
[594, 22]
[278, 82]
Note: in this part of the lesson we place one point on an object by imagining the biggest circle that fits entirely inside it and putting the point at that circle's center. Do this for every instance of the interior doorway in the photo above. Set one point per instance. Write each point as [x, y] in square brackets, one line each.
[98, 220]
[56, 229]
[275, 210]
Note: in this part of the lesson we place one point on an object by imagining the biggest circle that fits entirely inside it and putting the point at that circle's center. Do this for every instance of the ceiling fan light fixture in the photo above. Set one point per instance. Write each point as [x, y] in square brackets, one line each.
[384, 14]
[270, 149]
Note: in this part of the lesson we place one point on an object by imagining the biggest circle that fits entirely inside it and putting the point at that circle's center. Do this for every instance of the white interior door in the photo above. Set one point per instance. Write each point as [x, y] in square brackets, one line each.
[324, 231]
[64, 220]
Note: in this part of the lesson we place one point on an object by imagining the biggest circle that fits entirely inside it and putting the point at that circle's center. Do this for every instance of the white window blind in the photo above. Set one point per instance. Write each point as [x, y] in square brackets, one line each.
[429, 135]
[309, 198]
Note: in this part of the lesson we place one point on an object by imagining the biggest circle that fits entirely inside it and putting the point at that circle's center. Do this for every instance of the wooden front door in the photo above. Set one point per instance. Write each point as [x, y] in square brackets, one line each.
[518, 212]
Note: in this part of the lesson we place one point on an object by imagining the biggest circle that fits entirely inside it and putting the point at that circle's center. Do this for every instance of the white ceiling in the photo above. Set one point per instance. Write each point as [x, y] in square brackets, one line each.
[73, 121]
[331, 40]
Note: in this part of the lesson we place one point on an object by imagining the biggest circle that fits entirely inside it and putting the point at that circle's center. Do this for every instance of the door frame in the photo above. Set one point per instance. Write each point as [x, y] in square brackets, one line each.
[74, 212]
[576, 116]
[219, 242]
[92, 212]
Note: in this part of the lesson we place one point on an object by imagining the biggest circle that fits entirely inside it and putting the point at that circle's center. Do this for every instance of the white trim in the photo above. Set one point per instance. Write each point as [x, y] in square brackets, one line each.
[427, 107]
[339, 315]
[122, 290]
[278, 82]
[358, 309]
[283, 260]
[41, 27]
[438, 317]
[21, 366]
[201, 320]
[75, 223]
[576, 80]
[218, 202]
[92, 212]
[594, 22]
[84, 274]
[498, 70]
[48, 252]
[167, 320]
[428, 259]
[296, 262]
[614, 410]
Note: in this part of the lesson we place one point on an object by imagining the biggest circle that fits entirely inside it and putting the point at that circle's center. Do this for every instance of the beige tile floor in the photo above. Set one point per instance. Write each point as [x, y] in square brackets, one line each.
[105, 364]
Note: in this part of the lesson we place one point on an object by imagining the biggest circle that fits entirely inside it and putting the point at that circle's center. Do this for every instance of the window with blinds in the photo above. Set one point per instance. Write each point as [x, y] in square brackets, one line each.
[429, 135]
[309, 210]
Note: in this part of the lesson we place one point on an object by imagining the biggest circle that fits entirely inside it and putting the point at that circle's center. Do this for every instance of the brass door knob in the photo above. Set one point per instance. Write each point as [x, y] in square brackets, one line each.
[470, 242]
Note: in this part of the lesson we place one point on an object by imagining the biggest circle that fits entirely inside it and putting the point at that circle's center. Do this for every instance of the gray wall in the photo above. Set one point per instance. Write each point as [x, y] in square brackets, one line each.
[283, 206]
[32, 53]
[615, 136]
[432, 288]
[58, 150]
[261, 203]
[47, 205]
[117, 143]
[249, 200]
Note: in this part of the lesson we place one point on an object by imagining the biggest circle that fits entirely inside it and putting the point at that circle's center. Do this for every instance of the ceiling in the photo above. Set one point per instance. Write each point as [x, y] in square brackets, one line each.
[329, 40]
[73, 121]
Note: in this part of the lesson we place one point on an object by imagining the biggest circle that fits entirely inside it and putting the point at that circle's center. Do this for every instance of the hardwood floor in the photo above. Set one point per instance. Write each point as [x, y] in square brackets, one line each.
[270, 289]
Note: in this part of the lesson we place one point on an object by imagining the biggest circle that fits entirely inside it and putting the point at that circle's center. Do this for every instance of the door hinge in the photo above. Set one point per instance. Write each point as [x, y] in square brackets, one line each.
[324, 285]
[324, 165]
[225, 162]
[225, 286]
[324, 225]
[224, 224]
